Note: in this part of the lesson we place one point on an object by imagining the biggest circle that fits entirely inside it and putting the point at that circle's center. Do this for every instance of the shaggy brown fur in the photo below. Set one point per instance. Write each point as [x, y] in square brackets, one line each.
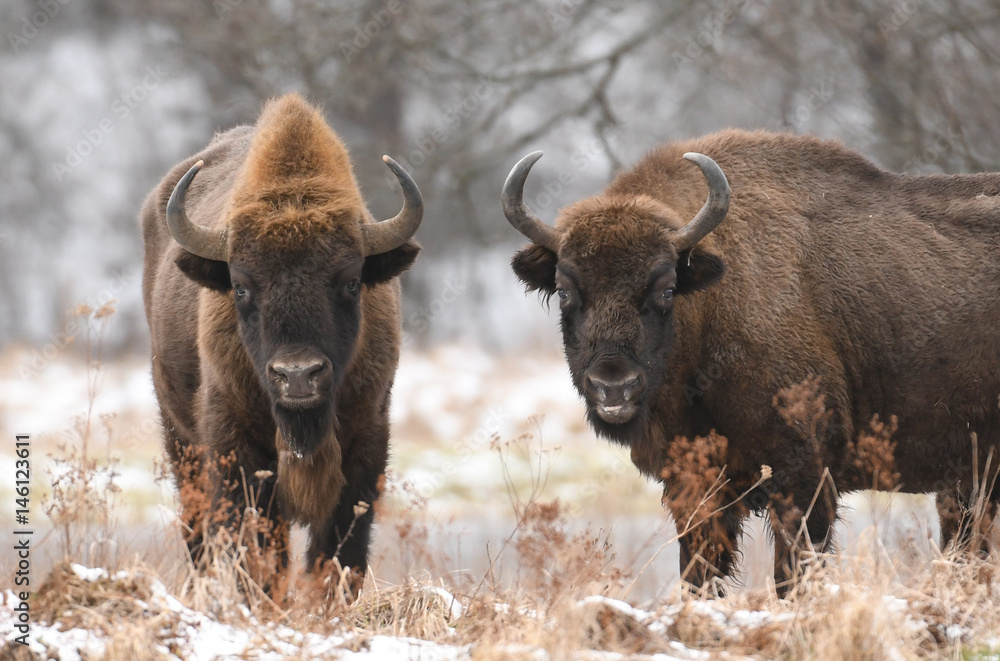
[885, 286]
[296, 284]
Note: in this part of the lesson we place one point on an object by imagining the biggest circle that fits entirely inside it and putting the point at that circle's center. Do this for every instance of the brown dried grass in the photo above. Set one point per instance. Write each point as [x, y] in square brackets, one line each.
[947, 609]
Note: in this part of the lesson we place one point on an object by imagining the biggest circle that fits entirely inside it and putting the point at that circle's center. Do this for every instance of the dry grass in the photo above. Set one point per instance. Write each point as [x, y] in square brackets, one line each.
[948, 609]
[563, 598]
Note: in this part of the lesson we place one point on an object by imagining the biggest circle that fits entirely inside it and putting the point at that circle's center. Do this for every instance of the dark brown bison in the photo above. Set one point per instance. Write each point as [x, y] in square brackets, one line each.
[273, 307]
[680, 318]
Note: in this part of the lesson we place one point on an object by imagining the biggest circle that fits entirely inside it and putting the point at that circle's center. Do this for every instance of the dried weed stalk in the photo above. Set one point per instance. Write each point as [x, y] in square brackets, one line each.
[82, 503]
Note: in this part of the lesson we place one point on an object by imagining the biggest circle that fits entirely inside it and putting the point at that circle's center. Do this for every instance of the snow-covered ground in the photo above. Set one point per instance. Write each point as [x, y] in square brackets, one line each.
[133, 615]
[459, 416]
[463, 419]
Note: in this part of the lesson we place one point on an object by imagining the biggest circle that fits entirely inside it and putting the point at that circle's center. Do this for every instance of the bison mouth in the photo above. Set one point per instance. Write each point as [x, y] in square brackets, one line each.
[623, 424]
[304, 428]
[304, 403]
[616, 414]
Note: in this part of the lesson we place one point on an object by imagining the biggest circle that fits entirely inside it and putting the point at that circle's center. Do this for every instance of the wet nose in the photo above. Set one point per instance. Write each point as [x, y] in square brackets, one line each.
[614, 390]
[300, 378]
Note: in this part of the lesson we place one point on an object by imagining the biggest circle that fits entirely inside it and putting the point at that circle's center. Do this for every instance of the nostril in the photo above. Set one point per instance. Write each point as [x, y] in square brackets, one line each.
[595, 387]
[315, 370]
[277, 373]
[631, 385]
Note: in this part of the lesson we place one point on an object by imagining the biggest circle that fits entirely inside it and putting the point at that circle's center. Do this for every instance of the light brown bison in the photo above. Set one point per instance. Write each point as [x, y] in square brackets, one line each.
[272, 302]
[678, 320]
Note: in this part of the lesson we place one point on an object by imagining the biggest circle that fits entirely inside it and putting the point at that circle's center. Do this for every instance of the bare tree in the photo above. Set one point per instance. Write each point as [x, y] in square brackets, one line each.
[457, 90]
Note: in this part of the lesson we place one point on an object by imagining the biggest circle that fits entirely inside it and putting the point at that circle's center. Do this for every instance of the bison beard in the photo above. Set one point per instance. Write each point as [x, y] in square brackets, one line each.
[307, 485]
[304, 430]
[877, 291]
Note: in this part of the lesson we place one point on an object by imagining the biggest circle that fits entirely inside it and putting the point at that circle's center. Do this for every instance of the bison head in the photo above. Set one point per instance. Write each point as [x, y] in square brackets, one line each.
[296, 253]
[618, 264]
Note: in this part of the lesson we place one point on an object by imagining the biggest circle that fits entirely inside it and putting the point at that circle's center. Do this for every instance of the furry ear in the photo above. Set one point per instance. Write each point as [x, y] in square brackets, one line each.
[535, 266]
[698, 269]
[206, 272]
[387, 265]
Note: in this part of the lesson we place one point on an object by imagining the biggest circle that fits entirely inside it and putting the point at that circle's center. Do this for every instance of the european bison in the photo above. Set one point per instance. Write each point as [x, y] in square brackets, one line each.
[880, 291]
[273, 307]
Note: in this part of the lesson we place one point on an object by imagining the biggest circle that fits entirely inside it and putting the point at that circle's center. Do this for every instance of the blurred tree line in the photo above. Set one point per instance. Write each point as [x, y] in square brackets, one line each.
[99, 98]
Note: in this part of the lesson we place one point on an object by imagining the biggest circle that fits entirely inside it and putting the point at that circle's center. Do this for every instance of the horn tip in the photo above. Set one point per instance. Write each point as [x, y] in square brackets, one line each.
[392, 164]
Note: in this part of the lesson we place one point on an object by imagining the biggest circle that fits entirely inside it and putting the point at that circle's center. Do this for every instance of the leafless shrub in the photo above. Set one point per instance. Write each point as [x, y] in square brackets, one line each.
[873, 453]
[81, 504]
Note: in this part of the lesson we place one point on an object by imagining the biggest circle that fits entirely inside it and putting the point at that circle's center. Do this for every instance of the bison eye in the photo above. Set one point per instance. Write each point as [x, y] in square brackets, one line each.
[668, 295]
[241, 292]
[353, 286]
[562, 294]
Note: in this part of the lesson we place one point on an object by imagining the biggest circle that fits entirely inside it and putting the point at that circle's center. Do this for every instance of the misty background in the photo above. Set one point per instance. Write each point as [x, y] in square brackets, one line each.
[99, 98]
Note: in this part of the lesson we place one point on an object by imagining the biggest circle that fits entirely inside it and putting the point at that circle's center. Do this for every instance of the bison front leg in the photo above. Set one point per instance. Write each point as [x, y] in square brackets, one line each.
[346, 535]
[965, 525]
[708, 538]
[234, 488]
[244, 503]
[801, 517]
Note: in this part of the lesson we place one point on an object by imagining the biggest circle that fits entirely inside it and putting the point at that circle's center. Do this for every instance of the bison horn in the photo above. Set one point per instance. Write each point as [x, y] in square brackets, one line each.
[715, 207]
[518, 214]
[204, 242]
[387, 235]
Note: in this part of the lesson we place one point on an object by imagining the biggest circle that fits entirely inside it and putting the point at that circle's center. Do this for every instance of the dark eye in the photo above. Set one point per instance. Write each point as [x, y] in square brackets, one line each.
[562, 294]
[241, 292]
[353, 286]
[668, 295]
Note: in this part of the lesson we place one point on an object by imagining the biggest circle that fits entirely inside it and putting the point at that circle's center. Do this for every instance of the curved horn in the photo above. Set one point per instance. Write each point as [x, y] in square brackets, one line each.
[715, 207]
[518, 214]
[387, 235]
[204, 242]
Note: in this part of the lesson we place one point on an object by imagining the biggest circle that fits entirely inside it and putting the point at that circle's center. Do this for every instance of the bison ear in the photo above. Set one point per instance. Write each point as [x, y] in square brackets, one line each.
[206, 272]
[387, 265]
[698, 269]
[535, 266]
